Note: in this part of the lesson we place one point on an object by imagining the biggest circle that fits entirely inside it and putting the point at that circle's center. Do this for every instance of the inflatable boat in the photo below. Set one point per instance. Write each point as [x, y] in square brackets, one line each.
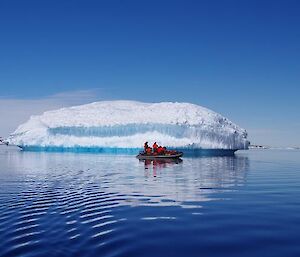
[144, 156]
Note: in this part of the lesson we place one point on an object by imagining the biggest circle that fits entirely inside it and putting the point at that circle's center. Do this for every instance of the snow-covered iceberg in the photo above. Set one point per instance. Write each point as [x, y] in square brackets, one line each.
[119, 126]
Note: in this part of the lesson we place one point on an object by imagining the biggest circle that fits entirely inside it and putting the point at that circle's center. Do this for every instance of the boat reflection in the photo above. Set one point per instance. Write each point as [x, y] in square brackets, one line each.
[157, 164]
[160, 163]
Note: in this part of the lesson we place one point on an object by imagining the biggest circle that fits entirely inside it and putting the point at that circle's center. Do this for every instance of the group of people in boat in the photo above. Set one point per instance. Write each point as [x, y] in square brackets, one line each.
[156, 149]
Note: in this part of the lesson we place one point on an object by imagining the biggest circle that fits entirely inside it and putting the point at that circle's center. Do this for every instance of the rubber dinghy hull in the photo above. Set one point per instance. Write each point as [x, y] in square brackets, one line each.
[151, 157]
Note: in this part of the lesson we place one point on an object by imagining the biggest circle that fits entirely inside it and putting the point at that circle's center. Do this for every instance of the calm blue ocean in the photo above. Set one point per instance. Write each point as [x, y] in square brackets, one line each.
[67, 204]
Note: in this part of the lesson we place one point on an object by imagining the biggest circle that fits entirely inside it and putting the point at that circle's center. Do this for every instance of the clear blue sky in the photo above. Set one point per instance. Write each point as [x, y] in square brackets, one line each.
[239, 58]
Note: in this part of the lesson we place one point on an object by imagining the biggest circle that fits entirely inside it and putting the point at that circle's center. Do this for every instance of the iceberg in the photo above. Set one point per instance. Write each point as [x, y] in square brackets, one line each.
[123, 126]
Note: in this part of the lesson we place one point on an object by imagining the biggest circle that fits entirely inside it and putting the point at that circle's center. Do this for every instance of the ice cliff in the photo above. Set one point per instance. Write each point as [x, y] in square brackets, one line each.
[128, 124]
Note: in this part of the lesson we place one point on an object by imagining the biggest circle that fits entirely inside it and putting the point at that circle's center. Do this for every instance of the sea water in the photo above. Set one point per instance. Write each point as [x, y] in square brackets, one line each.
[76, 204]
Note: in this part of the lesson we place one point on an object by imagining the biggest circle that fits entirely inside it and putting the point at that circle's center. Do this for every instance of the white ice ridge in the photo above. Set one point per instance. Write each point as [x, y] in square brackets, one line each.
[128, 124]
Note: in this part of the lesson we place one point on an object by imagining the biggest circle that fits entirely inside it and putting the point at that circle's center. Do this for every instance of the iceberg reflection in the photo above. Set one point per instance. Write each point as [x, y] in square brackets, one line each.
[186, 183]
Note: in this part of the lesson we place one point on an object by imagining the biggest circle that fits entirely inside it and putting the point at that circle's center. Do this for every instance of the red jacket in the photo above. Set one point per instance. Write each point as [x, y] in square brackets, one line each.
[160, 150]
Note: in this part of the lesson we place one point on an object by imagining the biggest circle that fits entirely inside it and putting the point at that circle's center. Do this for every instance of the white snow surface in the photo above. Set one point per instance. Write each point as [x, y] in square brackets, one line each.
[128, 124]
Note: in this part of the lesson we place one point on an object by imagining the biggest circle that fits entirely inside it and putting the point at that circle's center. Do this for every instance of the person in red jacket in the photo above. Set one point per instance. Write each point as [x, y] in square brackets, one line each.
[149, 150]
[160, 150]
[155, 146]
[145, 147]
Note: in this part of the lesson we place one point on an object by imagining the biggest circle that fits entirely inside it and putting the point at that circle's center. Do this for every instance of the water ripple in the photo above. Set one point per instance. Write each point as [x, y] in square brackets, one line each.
[93, 205]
